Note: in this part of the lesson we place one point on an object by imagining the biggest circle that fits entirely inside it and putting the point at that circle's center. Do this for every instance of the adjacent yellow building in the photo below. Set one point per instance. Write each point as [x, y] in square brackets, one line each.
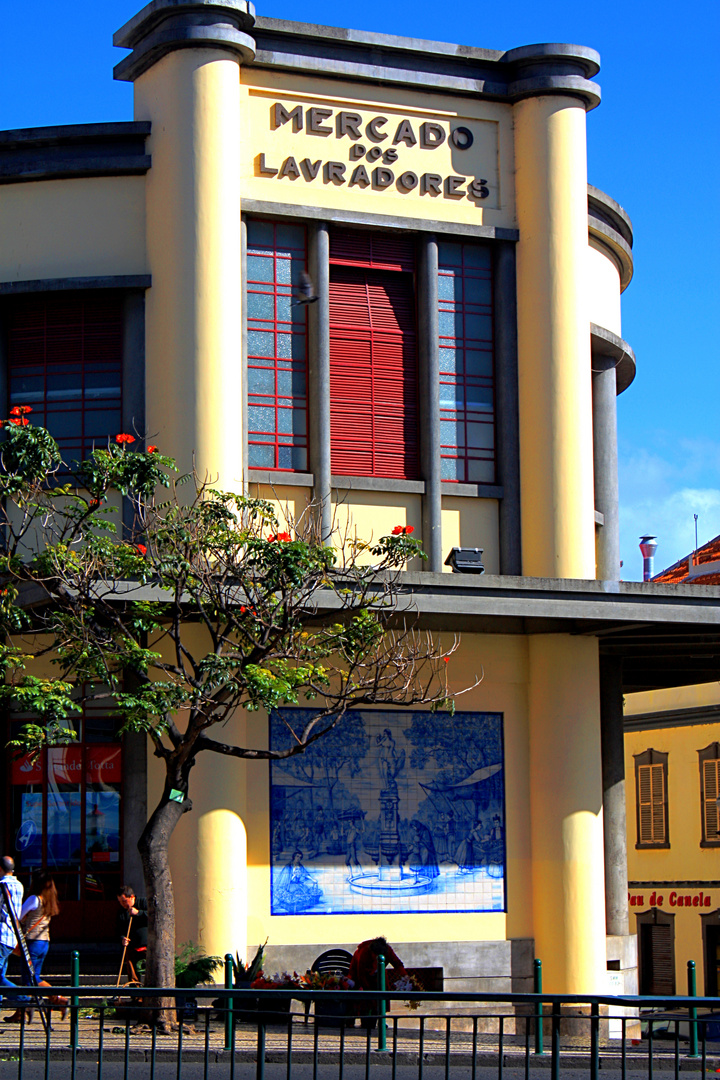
[367, 271]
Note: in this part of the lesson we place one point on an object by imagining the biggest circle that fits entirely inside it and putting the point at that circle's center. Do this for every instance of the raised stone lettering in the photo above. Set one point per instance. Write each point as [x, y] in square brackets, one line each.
[372, 130]
[280, 115]
[430, 184]
[334, 172]
[314, 124]
[407, 181]
[382, 178]
[262, 168]
[289, 168]
[360, 176]
[477, 189]
[348, 123]
[357, 151]
[453, 187]
[310, 168]
[431, 135]
[405, 134]
[461, 138]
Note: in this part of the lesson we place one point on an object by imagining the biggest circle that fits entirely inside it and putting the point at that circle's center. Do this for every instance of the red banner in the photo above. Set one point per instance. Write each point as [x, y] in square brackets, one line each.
[25, 771]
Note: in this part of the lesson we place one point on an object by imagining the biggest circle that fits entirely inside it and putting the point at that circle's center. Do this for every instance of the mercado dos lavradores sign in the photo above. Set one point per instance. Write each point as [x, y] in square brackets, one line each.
[431, 158]
[391, 811]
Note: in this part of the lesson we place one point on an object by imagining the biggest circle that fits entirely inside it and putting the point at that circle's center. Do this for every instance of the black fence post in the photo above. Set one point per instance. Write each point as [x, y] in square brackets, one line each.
[692, 1012]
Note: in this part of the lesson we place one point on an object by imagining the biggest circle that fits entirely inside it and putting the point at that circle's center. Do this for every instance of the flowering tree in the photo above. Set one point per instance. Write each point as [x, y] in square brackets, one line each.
[284, 619]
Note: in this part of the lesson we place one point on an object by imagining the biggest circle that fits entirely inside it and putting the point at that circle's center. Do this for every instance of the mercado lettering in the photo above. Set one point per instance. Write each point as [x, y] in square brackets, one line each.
[376, 141]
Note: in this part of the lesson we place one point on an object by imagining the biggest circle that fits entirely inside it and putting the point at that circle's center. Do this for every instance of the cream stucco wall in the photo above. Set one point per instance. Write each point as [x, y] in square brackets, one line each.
[86, 227]
[603, 279]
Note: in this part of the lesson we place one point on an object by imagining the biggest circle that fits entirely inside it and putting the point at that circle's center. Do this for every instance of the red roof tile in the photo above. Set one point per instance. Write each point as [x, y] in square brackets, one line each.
[678, 572]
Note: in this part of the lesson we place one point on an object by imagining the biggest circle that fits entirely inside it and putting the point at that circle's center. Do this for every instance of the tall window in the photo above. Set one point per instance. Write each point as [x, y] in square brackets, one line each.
[651, 771]
[467, 407]
[65, 814]
[710, 794]
[65, 361]
[373, 356]
[277, 347]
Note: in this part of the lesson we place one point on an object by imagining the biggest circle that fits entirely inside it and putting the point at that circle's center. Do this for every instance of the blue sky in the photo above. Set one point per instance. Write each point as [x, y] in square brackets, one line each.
[653, 144]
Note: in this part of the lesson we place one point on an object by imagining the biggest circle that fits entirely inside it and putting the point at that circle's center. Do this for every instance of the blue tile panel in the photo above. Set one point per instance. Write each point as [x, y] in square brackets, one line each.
[392, 811]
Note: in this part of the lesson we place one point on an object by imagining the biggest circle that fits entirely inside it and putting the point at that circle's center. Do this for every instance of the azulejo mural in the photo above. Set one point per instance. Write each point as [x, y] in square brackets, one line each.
[391, 811]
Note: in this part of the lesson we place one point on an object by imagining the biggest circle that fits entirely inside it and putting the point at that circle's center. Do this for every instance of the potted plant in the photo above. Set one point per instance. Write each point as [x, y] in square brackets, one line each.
[192, 968]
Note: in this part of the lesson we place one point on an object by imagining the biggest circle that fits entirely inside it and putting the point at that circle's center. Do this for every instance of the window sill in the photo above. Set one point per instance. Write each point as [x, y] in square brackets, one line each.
[710, 843]
[278, 478]
[652, 847]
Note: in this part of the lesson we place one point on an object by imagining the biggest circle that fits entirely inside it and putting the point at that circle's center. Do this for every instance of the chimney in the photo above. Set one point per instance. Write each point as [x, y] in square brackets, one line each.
[648, 547]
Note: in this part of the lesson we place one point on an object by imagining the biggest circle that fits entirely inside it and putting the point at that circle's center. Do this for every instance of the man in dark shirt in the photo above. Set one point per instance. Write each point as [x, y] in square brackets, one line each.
[132, 934]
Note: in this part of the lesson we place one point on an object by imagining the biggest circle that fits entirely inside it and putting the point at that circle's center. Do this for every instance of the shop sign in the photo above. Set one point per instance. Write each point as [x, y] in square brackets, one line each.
[102, 764]
[671, 899]
[374, 152]
[25, 770]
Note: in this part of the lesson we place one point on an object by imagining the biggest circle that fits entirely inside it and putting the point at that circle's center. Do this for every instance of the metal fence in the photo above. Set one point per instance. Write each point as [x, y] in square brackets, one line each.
[327, 1034]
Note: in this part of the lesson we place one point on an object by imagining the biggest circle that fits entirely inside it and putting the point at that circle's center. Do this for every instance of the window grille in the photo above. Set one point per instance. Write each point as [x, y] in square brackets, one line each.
[277, 347]
[65, 361]
[465, 324]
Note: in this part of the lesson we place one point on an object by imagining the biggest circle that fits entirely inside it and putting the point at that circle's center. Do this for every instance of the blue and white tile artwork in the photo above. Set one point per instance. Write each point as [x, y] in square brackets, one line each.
[391, 811]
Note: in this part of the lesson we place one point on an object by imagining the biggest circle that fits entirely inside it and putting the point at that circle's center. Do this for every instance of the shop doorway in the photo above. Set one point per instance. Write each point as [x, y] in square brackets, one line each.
[64, 815]
[711, 952]
[656, 946]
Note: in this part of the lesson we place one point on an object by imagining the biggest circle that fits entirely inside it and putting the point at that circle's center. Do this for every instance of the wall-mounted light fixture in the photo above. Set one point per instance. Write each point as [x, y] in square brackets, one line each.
[466, 560]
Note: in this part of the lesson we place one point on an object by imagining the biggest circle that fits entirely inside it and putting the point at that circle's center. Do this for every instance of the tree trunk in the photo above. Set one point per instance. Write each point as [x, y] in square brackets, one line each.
[153, 848]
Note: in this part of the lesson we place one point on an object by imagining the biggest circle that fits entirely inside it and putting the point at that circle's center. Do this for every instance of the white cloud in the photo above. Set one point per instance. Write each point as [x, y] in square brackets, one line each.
[660, 494]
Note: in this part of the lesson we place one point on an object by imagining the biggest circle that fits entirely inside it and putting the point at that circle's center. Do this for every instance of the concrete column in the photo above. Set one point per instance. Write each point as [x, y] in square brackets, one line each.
[319, 375]
[193, 324]
[507, 436]
[429, 356]
[566, 824]
[133, 380]
[613, 782]
[222, 884]
[555, 395]
[135, 806]
[605, 456]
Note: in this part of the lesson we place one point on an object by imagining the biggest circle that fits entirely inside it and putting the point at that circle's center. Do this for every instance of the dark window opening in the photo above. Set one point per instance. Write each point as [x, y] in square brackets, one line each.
[65, 362]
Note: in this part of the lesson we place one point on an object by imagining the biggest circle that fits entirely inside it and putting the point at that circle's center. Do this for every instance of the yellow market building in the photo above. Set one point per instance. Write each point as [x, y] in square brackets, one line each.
[457, 371]
[672, 761]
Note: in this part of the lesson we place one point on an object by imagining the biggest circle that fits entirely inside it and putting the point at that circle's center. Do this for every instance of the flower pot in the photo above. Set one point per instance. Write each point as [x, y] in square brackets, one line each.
[332, 1012]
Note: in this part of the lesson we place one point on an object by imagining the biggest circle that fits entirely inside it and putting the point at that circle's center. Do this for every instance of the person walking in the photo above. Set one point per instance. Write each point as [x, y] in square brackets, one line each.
[37, 911]
[11, 892]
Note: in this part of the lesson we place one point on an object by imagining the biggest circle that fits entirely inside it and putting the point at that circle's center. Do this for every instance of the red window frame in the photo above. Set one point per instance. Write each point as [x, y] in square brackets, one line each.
[277, 347]
[467, 384]
[65, 354]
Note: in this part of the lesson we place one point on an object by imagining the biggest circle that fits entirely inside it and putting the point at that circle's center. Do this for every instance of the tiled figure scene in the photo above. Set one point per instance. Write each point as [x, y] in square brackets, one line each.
[391, 811]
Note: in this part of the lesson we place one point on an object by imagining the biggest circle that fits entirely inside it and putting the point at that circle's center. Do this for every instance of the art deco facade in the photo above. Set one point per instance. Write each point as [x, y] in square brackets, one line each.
[458, 372]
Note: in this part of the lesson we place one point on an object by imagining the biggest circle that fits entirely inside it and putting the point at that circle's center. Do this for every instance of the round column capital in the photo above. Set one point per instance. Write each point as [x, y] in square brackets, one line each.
[165, 25]
[554, 69]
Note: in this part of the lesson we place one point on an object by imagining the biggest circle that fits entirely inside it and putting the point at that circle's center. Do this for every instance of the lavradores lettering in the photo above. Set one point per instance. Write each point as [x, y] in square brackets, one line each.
[373, 150]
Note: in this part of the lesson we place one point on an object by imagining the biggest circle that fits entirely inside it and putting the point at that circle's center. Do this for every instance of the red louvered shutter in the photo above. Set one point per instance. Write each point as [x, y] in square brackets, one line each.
[373, 374]
[373, 355]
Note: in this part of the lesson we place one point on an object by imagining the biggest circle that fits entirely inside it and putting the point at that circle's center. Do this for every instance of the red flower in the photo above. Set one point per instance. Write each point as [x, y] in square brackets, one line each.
[152, 449]
[20, 410]
[283, 536]
[95, 502]
[446, 659]
[403, 530]
[141, 548]
[19, 421]
[124, 439]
